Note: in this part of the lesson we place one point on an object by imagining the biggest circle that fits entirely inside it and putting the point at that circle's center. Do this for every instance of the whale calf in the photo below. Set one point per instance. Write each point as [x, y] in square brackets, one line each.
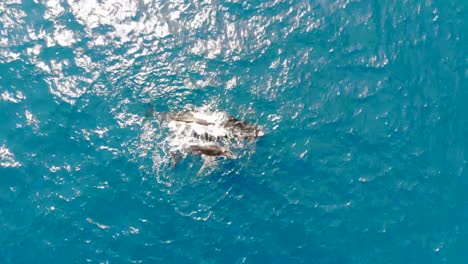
[204, 150]
[212, 151]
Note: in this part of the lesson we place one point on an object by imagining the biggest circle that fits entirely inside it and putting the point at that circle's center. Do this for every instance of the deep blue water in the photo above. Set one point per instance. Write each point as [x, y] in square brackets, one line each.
[365, 104]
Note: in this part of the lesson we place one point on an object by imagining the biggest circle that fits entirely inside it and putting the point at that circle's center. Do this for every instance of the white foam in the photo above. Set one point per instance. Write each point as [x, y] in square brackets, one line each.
[213, 129]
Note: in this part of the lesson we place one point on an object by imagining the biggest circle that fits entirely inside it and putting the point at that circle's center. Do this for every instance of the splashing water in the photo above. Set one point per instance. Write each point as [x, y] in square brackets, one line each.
[160, 138]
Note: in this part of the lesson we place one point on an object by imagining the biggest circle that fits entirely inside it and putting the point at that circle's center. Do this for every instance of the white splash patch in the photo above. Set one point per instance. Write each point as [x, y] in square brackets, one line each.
[214, 128]
[7, 159]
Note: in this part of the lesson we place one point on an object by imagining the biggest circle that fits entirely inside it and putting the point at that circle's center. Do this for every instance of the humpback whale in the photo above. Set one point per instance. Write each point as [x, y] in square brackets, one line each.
[206, 150]
[213, 125]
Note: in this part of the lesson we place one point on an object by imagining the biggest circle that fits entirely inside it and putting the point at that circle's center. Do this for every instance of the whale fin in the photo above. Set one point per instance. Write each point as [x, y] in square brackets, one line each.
[208, 162]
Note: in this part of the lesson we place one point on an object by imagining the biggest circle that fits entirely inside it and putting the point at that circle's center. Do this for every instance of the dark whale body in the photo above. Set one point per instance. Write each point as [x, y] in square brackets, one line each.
[206, 150]
[236, 127]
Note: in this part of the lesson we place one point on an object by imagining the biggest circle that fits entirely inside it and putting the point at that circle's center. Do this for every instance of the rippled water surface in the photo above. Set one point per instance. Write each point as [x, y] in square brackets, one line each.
[364, 104]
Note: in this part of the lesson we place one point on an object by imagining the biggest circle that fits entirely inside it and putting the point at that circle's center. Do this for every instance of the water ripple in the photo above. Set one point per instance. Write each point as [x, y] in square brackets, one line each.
[363, 104]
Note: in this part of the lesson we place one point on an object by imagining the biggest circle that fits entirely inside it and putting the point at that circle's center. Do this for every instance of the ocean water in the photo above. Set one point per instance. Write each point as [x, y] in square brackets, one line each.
[364, 104]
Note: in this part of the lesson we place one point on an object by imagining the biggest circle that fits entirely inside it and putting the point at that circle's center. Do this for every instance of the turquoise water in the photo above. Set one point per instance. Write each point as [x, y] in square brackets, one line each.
[364, 104]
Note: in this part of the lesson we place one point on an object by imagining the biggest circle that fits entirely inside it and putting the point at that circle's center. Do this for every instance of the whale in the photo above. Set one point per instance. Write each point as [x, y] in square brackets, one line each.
[212, 126]
[211, 151]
